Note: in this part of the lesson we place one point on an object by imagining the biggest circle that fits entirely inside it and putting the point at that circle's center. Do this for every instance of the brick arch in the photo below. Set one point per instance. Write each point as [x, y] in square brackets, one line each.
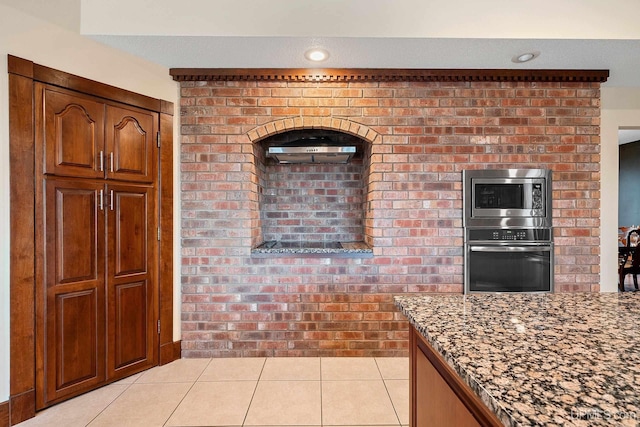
[328, 123]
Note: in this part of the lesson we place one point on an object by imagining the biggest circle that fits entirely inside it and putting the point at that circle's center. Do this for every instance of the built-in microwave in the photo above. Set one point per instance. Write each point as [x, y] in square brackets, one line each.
[507, 197]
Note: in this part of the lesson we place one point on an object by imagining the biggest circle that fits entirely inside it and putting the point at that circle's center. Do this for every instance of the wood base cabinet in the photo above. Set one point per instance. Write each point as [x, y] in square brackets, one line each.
[438, 396]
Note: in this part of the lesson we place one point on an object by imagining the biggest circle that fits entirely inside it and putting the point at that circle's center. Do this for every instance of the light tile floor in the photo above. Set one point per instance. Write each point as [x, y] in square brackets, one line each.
[247, 392]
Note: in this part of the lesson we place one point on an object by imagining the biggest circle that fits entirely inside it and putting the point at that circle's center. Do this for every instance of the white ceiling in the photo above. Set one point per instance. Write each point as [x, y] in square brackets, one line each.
[569, 34]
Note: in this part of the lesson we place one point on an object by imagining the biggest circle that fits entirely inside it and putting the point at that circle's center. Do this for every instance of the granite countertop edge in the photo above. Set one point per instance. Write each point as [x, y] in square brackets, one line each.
[570, 359]
[477, 388]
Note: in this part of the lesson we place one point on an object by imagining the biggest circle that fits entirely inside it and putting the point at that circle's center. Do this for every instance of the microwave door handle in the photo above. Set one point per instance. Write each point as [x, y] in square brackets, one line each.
[528, 196]
[545, 248]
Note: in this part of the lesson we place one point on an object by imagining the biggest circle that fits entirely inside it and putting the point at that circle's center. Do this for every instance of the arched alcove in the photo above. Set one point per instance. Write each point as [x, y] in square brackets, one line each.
[313, 205]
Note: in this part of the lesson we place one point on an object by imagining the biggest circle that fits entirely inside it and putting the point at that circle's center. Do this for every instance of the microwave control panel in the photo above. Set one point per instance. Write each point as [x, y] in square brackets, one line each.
[510, 234]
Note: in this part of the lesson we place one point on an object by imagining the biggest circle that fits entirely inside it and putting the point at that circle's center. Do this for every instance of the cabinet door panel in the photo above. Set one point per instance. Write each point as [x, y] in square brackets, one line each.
[131, 209]
[73, 134]
[76, 350]
[131, 142]
[74, 340]
[132, 296]
[131, 319]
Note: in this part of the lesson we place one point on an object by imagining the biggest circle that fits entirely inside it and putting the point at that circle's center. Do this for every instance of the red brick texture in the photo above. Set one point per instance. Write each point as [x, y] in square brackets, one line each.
[419, 136]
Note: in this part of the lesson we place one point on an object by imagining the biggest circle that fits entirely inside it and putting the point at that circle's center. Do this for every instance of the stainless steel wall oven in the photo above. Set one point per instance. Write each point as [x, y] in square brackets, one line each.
[508, 234]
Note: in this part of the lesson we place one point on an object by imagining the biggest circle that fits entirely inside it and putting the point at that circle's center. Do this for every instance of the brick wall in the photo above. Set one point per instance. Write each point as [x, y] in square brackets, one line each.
[420, 136]
[321, 203]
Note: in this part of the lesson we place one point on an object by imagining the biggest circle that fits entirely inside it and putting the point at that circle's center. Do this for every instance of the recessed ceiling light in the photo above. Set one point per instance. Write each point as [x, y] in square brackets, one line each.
[316, 54]
[525, 57]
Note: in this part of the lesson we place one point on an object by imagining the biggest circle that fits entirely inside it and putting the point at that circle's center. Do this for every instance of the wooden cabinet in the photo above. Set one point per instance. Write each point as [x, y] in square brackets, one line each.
[73, 319]
[87, 138]
[438, 396]
[78, 322]
[131, 280]
[97, 315]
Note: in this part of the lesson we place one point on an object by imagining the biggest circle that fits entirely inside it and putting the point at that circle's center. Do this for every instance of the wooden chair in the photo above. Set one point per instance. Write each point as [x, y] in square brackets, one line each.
[630, 260]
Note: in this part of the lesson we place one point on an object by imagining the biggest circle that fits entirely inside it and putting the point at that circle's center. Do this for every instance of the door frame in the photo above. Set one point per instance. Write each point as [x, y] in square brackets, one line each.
[24, 255]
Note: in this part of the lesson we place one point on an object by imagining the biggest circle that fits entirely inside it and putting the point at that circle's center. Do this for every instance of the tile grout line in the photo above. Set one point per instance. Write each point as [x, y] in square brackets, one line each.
[185, 395]
[110, 403]
[321, 402]
[244, 420]
[388, 394]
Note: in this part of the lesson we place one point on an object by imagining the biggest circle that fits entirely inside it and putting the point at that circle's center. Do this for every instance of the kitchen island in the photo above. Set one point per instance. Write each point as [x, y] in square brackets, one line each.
[525, 359]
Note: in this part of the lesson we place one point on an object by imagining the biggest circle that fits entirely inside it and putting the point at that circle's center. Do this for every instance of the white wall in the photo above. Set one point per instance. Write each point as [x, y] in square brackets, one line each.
[43, 43]
[620, 110]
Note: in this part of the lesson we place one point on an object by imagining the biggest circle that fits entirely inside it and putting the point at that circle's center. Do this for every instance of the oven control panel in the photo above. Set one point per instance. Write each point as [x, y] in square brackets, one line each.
[510, 234]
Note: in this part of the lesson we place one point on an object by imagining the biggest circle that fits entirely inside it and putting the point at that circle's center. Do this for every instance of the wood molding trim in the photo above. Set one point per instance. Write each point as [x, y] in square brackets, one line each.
[80, 84]
[165, 264]
[19, 66]
[170, 352]
[22, 407]
[386, 74]
[4, 414]
[22, 242]
[22, 77]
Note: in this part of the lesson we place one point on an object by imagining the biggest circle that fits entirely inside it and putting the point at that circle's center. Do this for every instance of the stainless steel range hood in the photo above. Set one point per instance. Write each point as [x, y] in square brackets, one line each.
[312, 154]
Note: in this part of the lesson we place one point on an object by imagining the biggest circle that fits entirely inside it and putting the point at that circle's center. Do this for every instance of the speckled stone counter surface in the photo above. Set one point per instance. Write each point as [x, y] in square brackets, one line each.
[346, 249]
[540, 359]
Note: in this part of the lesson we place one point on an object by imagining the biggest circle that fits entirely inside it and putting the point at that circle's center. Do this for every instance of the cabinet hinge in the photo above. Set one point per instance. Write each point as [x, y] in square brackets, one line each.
[158, 233]
[158, 326]
[158, 139]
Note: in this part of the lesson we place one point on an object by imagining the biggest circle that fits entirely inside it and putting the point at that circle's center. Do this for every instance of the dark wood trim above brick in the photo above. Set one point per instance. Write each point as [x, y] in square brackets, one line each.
[386, 74]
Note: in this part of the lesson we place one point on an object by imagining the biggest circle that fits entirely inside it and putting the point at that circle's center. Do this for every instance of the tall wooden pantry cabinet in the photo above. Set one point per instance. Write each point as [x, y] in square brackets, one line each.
[91, 244]
[99, 239]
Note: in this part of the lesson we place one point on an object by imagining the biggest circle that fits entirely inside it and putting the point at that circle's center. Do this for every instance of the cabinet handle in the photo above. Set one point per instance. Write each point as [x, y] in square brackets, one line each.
[101, 161]
[111, 161]
[101, 201]
[111, 200]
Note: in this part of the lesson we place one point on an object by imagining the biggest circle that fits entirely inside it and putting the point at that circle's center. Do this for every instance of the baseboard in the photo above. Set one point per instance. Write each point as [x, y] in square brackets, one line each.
[4, 414]
[170, 352]
[22, 407]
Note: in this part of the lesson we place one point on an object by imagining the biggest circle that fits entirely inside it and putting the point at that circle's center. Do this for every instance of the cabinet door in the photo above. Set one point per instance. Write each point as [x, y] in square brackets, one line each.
[131, 144]
[74, 315]
[73, 134]
[132, 298]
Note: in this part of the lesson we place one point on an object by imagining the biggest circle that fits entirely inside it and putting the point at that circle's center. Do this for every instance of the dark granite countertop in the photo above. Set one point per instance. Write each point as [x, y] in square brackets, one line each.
[313, 248]
[540, 359]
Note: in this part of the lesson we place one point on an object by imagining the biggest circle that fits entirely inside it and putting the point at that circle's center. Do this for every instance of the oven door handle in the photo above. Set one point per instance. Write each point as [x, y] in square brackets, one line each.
[545, 248]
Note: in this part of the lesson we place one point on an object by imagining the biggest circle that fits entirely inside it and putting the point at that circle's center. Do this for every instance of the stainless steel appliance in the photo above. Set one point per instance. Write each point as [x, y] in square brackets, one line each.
[312, 150]
[507, 197]
[508, 235]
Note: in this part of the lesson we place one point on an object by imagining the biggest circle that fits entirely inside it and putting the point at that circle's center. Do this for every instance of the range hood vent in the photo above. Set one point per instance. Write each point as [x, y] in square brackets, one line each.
[311, 150]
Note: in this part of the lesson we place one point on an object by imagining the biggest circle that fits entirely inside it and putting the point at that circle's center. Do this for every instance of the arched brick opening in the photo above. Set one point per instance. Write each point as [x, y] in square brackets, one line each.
[331, 123]
[308, 203]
